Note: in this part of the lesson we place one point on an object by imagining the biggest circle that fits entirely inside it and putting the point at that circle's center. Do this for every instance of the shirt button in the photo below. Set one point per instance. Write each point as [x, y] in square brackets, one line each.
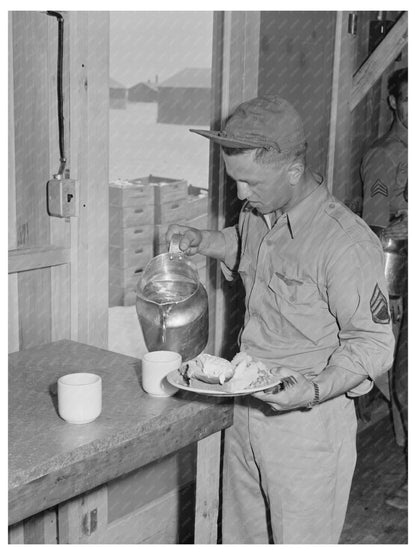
[331, 205]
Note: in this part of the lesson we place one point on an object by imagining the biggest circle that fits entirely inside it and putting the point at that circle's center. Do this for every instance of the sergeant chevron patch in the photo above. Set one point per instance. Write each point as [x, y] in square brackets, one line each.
[379, 188]
[379, 307]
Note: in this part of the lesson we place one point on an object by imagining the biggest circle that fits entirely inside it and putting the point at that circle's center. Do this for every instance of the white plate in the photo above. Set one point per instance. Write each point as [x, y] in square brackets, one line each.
[176, 379]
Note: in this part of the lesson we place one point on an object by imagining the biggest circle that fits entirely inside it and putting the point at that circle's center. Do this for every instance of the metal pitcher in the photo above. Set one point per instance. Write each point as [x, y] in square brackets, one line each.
[395, 265]
[172, 306]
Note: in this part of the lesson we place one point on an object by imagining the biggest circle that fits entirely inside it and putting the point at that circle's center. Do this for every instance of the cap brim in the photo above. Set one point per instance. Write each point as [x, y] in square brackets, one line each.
[225, 141]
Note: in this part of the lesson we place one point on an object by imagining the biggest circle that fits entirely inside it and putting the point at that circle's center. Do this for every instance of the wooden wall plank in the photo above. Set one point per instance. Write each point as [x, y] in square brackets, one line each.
[13, 321]
[60, 302]
[34, 308]
[41, 528]
[12, 238]
[157, 520]
[128, 493]
[89, 147]
[16, 534]
[22, 260]
[31, 116]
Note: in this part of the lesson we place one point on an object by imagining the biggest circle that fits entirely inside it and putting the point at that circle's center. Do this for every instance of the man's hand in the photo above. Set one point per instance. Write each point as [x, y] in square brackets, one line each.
[190, 240]
[293, 396]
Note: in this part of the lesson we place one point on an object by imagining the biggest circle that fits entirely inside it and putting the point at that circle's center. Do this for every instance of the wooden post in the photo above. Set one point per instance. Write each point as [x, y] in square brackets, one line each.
[339, 170]
[236, 47]
[89, 109]
[207, 489]
[83, 518]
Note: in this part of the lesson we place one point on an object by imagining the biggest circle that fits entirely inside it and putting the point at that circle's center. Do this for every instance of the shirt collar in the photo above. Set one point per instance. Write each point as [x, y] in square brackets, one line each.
[399, 130]
[303, 213]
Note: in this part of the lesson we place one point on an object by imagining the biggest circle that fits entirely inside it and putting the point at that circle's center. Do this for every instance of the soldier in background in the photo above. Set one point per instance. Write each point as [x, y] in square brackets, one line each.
[385, 208]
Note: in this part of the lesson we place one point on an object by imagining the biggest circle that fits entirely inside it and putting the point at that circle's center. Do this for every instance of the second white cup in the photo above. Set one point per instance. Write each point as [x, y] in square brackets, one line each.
[155, 366]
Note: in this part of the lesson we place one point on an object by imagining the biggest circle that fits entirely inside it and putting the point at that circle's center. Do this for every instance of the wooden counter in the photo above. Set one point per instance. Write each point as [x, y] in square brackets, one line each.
[51, 461]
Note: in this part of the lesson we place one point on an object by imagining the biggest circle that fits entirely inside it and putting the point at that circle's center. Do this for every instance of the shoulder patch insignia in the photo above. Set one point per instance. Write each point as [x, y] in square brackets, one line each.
[379, 188]
[379, 307]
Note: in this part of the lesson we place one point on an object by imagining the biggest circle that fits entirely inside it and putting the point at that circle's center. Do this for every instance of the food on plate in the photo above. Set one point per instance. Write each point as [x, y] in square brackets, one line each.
[208, 368]
[247, 373]
[241, 373]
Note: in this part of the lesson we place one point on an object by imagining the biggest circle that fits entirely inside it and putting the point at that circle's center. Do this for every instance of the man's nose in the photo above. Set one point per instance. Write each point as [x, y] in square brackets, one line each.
[243, 190]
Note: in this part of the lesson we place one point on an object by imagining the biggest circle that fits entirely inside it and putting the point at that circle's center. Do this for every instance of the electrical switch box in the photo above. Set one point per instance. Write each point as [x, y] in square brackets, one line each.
[62, 195]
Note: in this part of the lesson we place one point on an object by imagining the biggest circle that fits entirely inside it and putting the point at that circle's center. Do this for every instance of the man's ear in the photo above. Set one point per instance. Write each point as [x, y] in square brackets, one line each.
[295, 171]
[392, 102]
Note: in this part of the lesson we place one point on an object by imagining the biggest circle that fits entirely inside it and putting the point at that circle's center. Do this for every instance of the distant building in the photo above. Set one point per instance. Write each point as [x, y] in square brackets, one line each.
[118, 95]
[143, 92]
[185, 98]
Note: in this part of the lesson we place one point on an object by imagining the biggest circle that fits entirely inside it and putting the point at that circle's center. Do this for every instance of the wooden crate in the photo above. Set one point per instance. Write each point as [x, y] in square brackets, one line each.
[168, 190]
[136, 256]
[132, 236]
[130, 216]
[135, 192]
[197, 205]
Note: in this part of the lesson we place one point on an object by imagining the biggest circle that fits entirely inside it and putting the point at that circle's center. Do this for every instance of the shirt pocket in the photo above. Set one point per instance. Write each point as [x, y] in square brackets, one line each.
[299, 302]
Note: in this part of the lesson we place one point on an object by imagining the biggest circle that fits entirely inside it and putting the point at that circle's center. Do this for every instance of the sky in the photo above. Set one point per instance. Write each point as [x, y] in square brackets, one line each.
[144, 44]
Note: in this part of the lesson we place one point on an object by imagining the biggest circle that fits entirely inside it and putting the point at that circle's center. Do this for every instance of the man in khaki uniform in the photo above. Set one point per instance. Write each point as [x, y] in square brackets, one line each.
[385, 209]
[316, 307]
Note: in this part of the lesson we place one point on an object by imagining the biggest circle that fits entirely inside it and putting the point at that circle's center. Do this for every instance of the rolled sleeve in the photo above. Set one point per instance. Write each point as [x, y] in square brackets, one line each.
[229, 265]
[358, 298]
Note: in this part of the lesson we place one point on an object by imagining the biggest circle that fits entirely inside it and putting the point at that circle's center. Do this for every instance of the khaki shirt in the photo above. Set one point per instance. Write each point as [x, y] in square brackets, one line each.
[315, 288]
[384, 177]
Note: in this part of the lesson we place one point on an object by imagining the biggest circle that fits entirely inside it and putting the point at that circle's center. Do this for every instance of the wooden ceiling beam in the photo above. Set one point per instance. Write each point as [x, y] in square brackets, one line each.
[374, 66]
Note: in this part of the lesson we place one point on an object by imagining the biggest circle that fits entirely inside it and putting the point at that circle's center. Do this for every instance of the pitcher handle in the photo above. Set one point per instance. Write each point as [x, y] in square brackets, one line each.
[174, 244]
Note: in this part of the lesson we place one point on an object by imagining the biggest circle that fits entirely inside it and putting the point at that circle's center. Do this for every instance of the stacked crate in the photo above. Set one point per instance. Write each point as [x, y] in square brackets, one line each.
[141, 211]
[131, 229]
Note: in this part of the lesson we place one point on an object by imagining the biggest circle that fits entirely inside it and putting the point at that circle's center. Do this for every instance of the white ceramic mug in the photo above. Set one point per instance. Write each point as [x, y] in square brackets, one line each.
[155, 366]
[79, 397]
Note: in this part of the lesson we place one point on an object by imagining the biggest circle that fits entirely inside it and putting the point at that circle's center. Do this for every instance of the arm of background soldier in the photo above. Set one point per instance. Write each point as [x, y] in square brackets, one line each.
[377, 174]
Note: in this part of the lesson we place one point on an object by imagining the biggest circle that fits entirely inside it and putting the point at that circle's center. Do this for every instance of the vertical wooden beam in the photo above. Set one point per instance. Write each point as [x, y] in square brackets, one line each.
[31, 127]
[207, 489]
[13, 302]
[16, 534]
[339, 150]
[11, 154]
[13, 320]
[60, 228]
[41, 528]
[235, 69]
[89, 44]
